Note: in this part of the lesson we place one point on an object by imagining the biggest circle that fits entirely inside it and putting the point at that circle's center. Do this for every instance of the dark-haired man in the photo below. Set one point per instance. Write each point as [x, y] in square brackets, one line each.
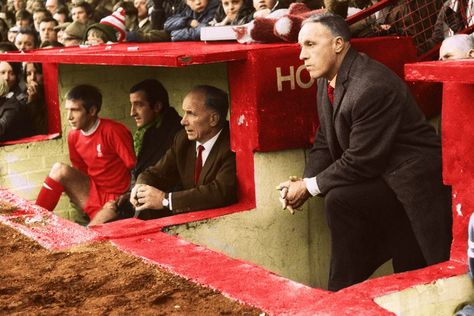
[47, 31]
[157, 124]
[101, 153]
[198, 171]
[375, 160]
[25, 40]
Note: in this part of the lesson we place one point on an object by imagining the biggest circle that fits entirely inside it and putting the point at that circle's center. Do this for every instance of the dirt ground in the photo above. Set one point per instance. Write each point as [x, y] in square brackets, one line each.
[96, 279]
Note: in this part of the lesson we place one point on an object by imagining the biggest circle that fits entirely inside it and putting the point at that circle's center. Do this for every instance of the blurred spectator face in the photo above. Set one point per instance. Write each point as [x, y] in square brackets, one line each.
[32, 74]
[60, 17]
[79, 14]
[24, 41]
[231, 7]
[51, 5]
[23, 24]
[37, 17]
[94, 37]
[47, 32]
[458, 46]
[197, 5]
[61, 35]
[263, 4]
[19, 5]
[33, 5]
[11, 35]
[7, 74]
[140, 5]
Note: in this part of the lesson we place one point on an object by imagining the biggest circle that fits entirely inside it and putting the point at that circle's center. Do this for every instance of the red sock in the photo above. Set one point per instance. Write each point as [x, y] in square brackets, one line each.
[49, 194]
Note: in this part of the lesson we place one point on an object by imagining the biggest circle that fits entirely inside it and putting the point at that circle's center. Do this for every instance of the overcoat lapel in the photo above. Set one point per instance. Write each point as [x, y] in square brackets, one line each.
[325, 110]
[342, 80]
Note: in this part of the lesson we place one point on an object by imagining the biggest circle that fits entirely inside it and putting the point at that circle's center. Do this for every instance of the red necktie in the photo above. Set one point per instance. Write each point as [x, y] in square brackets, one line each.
[198, 166]
[331, 94]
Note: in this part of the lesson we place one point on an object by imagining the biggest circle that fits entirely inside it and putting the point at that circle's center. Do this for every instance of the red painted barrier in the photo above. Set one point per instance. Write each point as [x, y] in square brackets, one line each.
[272, 108]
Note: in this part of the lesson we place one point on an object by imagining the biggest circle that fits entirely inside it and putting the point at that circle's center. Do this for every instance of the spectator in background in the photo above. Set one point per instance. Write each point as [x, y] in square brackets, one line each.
[186, 26]
[12, 33]
[62, 15]
[74, 33]
[458, 46]
[38, 16]
[52, 6]
[233, 12]
[26, 40]
[157, 123]
[47, 32]
[110, 29]
[35, 5]
[82, 12]
[36, 110]
[7, 47]
[60, 28]
[3, 31]
[264, 7]
[14, 123]
[19, 5]
[24, 19]
[48, 44]
[144, 23]
[101, 153]
[154, 31]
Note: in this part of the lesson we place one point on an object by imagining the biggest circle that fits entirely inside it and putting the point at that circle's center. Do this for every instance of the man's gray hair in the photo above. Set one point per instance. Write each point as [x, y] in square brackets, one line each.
[335, 23]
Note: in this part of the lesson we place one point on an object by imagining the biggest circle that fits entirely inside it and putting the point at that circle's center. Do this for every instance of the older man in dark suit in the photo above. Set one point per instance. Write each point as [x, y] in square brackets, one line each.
[375, 160]
[198, 171]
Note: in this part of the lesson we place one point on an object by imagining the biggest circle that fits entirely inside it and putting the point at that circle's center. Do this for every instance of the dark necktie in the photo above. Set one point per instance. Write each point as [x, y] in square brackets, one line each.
[331, 94]
[198, 166]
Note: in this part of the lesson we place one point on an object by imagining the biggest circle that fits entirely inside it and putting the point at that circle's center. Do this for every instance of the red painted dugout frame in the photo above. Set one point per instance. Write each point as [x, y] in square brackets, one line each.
[251, 130]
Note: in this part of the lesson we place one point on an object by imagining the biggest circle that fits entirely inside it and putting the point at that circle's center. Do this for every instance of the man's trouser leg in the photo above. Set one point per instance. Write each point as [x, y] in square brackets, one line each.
[368, 226]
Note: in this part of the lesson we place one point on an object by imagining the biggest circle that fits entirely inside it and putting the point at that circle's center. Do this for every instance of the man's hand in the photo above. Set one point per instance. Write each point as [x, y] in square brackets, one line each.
[32, 91]
[133, 196]
[297, 193]
[148, 197]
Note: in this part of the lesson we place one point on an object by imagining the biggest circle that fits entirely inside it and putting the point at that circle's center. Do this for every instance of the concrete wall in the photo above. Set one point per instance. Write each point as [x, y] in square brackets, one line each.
[23, 167]
[440, 298]
[267, 235]
[294, 246]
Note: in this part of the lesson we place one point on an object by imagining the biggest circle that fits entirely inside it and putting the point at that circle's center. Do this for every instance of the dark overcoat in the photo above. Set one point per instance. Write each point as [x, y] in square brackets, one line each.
[375, 129]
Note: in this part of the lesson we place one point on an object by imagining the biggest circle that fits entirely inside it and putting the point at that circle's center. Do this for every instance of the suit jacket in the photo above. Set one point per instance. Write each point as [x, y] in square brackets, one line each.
[375, 129]
[217, 185]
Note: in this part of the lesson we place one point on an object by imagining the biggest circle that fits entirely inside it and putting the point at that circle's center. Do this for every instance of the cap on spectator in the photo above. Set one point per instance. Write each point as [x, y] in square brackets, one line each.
[117, 21]
[61, 26]
[75, 30]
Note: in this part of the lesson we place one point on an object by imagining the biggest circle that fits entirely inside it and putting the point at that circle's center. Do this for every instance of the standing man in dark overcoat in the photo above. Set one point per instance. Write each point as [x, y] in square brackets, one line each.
[375, 159]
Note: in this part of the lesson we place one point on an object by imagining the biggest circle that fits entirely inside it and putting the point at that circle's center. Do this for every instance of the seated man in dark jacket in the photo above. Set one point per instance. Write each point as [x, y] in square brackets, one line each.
[198, 171]
[157, 125]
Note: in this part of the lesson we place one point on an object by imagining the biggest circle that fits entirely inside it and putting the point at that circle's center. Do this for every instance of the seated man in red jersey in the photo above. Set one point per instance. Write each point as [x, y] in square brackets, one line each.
[101, 152]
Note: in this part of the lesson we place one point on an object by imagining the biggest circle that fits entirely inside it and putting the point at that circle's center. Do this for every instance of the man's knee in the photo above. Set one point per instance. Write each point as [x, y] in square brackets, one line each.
[59, 172]
[334, 199]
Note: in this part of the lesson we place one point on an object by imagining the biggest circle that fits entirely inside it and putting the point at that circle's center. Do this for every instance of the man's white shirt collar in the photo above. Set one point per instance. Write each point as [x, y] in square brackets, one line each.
[207, 146]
